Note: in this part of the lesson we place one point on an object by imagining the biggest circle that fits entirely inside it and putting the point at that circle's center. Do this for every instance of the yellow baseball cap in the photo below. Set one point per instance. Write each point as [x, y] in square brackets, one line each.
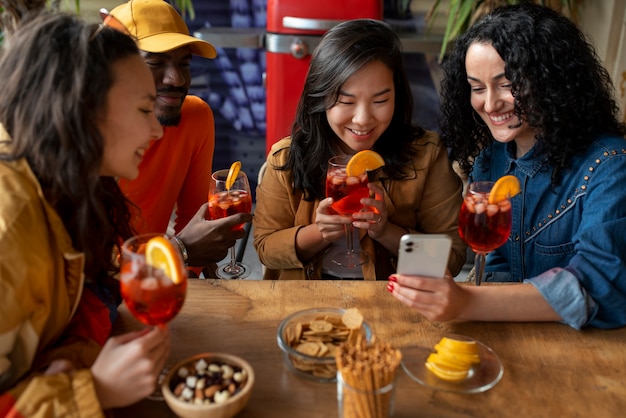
[157, 27]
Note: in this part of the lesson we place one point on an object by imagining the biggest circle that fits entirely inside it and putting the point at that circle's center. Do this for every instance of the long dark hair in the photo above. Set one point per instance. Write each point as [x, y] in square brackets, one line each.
[560, 87]
[344, 50]
[56, 73]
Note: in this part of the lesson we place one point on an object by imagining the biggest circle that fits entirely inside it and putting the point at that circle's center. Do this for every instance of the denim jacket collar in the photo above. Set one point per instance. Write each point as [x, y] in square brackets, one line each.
[529, 163]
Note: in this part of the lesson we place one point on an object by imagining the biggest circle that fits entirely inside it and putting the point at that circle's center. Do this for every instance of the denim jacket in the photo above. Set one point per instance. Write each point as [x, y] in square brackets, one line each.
[568, 241]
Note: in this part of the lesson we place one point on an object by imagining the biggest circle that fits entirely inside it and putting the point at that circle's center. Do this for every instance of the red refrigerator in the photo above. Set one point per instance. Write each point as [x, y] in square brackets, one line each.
[294, 28]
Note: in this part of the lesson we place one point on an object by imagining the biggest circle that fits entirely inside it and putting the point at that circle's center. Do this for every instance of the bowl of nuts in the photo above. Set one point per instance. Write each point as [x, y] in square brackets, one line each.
[310, 338]
[210, 385]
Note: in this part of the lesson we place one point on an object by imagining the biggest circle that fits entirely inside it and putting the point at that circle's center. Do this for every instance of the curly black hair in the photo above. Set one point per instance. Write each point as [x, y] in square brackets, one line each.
[560, 87]
[344, 50]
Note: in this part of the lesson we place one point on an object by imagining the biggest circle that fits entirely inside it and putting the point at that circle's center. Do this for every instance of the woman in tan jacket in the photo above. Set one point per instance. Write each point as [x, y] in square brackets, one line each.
[76, 112]
[356, 97]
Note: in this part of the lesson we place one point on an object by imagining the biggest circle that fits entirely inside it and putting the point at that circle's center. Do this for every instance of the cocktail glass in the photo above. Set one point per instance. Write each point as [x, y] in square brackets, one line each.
[223, 202]
[149, 293]
[483, 226]
[347, 193]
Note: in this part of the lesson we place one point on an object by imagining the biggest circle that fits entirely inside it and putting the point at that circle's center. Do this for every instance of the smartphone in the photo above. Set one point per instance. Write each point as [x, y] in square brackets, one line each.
[424, 254]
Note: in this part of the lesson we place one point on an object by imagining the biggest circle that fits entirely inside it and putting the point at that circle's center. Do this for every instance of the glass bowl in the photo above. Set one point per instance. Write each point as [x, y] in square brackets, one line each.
[310, 352]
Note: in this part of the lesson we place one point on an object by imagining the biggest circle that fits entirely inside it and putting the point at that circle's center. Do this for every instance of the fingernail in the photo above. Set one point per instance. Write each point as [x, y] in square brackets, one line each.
[390, 286]
[392, 278]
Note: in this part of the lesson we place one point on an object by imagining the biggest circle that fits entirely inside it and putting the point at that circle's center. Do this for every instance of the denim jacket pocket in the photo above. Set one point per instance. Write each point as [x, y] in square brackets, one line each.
[557, 250]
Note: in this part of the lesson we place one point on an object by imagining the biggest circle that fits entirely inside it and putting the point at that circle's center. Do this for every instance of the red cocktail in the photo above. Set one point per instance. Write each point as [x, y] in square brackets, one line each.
[150, 294]
[230, 196]
[484, 226]
[346, 192]
[152, 298]
[153, 285]
[229, 203]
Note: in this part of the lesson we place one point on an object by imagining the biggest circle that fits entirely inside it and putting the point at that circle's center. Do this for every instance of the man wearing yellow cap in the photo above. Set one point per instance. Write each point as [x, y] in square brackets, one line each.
[176, 171]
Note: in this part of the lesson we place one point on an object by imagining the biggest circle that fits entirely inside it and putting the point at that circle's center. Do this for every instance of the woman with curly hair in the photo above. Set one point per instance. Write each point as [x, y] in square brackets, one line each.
[525, 94]
[356, 97]
[76, 113]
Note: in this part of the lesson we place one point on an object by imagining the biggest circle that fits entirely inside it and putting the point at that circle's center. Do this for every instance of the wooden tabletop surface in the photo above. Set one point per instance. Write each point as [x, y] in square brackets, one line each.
[550, 370]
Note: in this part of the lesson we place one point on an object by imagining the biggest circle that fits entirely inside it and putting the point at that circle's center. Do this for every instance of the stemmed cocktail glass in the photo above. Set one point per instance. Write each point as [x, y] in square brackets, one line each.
[484, 226]
[347, 193]
[225, 200]
[153, 282]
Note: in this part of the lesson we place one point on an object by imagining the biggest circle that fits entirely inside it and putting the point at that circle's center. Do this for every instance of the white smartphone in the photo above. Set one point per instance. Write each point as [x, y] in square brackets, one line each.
[424, 254]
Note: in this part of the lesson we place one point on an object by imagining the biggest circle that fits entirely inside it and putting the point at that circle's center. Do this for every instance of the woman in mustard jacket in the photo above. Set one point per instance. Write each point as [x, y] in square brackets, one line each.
[76, 112]
[356, 97]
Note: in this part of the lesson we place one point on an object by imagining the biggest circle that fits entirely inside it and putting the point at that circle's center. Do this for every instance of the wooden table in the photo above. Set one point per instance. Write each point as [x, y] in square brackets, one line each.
[550, 370]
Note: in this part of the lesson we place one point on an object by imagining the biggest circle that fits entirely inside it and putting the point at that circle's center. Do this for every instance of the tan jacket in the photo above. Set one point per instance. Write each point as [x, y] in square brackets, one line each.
[427, 201]
[41, 283]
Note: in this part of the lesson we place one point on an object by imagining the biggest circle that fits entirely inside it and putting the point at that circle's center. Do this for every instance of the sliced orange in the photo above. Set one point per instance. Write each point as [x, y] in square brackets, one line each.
[505, 187]
[457, 359]
[161, 254]
[233, 172]
[453, 358]
[442, 360]
[446, 373]
[363, 161]
[457, 346]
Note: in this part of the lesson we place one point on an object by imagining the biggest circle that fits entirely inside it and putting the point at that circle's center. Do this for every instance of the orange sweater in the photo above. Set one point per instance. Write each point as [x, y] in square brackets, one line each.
[175, 170]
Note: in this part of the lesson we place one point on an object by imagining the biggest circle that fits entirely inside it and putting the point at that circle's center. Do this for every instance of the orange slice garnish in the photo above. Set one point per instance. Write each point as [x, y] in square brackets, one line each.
[505, 187]
[161, 254]
[363, 161]
[233, 172]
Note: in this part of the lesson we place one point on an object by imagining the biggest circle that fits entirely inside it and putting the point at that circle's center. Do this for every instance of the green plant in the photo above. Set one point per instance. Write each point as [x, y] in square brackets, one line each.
[185, 6]
[463, 13]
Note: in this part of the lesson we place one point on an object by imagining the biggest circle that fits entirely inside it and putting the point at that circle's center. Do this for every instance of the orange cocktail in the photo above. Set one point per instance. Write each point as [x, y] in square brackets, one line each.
[152, 294]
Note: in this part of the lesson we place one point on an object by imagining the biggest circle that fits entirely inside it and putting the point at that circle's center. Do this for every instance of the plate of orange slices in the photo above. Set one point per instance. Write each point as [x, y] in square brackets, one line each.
[455, 364]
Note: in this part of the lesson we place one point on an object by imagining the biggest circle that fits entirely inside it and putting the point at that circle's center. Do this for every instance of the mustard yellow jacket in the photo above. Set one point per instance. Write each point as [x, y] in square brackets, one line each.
[427, 201]
[41, 284]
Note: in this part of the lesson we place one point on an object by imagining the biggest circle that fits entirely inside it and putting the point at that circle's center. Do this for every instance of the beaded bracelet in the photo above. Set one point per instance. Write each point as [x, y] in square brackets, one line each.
[183, 249]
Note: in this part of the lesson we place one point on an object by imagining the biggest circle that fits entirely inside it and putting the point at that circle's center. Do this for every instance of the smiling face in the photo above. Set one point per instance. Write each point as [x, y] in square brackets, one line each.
[492, 99]
[364, 108]
[129, 122]
[172, 78]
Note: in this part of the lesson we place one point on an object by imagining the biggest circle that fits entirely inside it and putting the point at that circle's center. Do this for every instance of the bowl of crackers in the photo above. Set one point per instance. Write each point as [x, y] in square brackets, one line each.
[208, 385]
[309, 340]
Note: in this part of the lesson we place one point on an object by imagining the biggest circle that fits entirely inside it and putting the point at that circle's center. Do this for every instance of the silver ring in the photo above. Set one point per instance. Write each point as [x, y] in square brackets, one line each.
[380, 218]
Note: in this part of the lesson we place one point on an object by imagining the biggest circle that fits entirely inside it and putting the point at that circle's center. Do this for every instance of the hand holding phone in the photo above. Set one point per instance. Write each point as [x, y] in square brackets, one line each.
[424, 255]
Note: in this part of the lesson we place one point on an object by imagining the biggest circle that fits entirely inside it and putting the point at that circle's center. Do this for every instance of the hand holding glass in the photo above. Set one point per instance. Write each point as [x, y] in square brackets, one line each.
[223, 202]
[151, 294]
[347, 193]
